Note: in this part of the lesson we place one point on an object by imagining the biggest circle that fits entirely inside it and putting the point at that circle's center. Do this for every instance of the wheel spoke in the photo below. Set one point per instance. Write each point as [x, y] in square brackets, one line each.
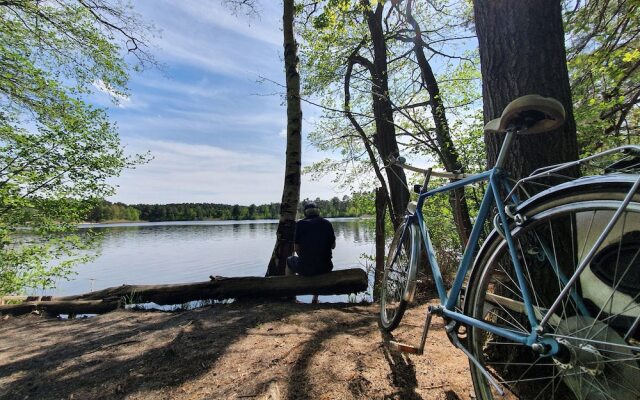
[552, 381]
[396, 278]
[515, 324]
[597, 324]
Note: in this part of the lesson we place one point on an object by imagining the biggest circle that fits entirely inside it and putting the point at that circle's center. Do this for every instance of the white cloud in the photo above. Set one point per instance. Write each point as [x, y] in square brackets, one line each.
[203, 89]
[224, 128]
[265, 29]
[183, 172]
[215, 60]
[213, 141]
[205, 35]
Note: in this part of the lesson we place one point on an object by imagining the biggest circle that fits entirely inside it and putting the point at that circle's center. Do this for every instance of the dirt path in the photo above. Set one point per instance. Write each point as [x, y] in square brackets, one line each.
[237, 351]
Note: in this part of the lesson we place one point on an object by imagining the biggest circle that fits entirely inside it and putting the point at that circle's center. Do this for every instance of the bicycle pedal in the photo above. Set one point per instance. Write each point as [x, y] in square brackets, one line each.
[405, 348]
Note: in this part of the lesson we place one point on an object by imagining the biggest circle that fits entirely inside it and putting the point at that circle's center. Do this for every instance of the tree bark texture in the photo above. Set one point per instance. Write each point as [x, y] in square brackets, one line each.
[353, 59]
[381, 206]
[291, 192]
[522, 52]
[385, 138]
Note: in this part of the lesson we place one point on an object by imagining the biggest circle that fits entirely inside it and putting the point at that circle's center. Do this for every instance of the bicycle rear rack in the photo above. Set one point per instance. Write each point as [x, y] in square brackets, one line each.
[623, 159]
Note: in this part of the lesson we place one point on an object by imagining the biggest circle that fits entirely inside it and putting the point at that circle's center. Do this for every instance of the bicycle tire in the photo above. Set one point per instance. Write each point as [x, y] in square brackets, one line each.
[597, 324]
[398, 279]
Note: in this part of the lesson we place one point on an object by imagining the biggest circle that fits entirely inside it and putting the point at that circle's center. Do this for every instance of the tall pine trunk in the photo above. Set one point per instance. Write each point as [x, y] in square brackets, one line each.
[522, 52]
[291, 191]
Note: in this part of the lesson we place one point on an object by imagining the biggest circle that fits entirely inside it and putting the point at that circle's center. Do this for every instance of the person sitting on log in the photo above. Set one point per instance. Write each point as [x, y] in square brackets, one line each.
[314, 241]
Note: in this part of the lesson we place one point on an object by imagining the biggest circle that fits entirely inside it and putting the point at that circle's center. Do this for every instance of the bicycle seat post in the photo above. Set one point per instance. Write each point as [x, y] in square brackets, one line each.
[506, 146]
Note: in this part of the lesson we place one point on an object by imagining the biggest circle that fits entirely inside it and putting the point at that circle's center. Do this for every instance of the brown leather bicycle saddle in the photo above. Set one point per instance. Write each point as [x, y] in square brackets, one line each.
[529, 114]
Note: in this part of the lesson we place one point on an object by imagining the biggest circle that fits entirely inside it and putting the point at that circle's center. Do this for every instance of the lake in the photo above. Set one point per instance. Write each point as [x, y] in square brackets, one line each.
[179, 252]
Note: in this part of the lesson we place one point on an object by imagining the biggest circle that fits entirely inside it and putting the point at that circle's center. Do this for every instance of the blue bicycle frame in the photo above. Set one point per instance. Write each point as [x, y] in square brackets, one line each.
[498, 182]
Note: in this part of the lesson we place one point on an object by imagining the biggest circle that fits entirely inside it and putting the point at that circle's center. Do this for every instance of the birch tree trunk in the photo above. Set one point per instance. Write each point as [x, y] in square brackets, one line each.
[291, 191]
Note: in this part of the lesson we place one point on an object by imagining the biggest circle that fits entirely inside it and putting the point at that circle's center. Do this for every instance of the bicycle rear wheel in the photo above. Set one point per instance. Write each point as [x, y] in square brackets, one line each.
[597, 325]
[398, 280]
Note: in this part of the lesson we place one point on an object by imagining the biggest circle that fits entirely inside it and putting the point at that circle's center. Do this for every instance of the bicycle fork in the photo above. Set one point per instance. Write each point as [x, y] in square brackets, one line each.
[450, 329]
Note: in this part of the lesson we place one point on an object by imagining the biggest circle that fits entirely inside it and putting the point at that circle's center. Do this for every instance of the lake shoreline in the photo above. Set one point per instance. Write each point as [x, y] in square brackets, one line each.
[116, 223]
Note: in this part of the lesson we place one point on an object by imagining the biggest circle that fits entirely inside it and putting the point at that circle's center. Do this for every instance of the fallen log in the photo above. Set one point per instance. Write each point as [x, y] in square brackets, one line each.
[56, 307]
[5, 299]
[337, 282]
[218, 288]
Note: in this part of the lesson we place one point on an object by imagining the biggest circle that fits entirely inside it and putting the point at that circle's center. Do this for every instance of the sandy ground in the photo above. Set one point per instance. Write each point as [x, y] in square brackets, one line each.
[237, 351]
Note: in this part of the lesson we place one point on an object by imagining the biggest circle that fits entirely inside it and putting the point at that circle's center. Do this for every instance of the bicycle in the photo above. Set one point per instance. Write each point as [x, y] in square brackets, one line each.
[549, 305]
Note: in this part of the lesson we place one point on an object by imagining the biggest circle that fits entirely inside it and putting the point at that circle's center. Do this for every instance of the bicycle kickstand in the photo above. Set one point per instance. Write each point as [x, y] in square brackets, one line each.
[419, 350]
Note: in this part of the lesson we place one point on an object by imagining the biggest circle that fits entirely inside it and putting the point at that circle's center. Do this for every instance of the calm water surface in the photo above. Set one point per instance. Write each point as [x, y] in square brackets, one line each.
[177, 252]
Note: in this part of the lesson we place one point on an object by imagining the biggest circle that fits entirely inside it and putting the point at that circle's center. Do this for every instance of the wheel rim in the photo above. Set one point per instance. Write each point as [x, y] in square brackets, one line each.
[396, 274]
[604, 344]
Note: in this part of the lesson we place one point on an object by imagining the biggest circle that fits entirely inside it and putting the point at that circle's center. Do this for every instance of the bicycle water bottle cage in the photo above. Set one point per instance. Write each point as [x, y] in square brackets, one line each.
[529, 114]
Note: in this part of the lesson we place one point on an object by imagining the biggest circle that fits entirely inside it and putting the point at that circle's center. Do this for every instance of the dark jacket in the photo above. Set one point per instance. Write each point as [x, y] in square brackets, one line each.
[314, 239]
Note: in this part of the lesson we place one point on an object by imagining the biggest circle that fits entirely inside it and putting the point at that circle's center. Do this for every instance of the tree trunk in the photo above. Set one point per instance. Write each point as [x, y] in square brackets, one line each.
[448, 153]
[56, 307]
[337, 282]
[353, 59]
[522, 52]
[381, 206]
[291, 191]
[344, 281]
[385, 139]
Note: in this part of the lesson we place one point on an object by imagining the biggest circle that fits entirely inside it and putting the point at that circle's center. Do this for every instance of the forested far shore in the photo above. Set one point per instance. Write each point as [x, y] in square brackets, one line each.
[349, 206]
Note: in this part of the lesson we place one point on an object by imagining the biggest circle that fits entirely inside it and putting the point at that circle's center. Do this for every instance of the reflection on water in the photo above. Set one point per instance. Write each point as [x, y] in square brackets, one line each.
[175, 252]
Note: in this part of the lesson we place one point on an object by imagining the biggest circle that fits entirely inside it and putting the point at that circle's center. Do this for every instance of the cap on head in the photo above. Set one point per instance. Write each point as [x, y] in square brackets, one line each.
[311, 210]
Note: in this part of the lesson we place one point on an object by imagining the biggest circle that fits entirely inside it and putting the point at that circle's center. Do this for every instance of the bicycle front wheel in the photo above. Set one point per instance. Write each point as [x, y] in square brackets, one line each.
[398, 280]
[596, 325]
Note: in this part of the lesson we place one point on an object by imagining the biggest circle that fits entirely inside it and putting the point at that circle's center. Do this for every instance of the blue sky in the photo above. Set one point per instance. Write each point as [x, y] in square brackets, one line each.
[216, 134]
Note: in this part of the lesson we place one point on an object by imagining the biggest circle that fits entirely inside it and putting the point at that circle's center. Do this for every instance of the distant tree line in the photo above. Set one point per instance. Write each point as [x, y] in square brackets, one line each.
[349, 206]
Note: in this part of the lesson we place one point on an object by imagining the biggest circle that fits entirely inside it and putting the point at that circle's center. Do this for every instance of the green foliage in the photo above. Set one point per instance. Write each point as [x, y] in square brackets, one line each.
[131, 299]
[604, 64]
[106, 211]
[337, 32]
[56, 150]
[358, 204]
[603, 52]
